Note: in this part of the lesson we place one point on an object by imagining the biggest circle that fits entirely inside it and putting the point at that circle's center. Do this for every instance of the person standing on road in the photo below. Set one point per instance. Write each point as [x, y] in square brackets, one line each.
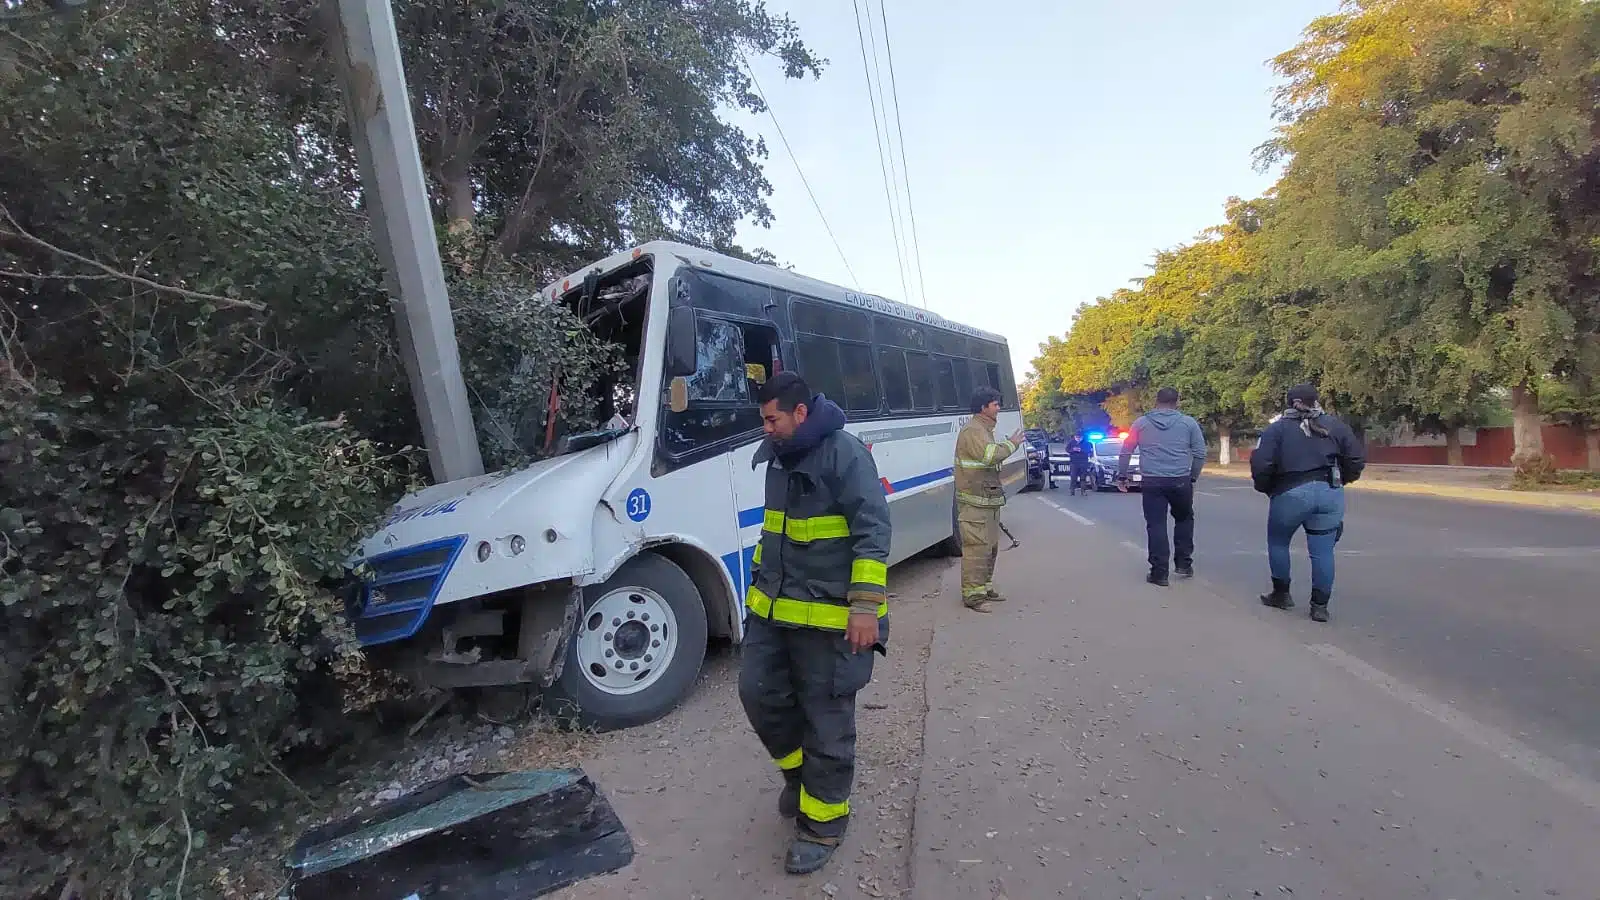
[816, 609]
[1172, 452]
[1302, 462]
[979, 497]
[1078, 463]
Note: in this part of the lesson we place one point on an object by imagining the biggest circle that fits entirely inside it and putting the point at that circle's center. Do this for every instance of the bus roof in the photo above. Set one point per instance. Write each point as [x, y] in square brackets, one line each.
[778, 277]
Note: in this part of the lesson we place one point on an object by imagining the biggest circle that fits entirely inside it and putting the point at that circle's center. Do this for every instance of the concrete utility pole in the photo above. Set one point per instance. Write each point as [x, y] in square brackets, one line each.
[367, 53]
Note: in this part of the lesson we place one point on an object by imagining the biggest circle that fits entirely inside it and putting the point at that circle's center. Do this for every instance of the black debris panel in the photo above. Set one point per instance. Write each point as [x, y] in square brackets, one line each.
[493, 836]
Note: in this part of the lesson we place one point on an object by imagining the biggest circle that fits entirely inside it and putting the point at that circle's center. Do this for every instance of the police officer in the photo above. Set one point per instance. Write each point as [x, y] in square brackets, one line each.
[816, 609]
[1303, 460]
[979, 497]
[1078, 463]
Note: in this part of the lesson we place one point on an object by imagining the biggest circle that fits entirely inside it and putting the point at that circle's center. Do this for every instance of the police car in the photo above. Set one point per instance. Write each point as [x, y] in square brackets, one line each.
[1103, 462]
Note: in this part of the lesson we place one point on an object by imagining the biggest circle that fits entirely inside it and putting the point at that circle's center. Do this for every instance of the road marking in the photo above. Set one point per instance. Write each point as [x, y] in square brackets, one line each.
[1207, 494]
[1132, 546]
[1085, 520]
[1554, 774]
[1079, 517]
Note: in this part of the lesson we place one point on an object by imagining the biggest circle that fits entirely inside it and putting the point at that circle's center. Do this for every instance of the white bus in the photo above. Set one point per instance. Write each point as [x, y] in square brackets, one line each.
[599, 573]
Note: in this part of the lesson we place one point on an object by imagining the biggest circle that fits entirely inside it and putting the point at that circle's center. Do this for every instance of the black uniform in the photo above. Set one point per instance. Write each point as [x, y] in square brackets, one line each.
[823, 553]
[1288, 456]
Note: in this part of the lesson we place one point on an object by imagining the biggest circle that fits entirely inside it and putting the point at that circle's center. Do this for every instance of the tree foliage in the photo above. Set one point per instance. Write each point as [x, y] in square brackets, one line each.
[202, 403]
[1434, 236]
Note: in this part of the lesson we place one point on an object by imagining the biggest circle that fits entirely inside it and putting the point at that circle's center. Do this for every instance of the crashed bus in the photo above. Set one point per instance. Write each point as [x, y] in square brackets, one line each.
[599, 574]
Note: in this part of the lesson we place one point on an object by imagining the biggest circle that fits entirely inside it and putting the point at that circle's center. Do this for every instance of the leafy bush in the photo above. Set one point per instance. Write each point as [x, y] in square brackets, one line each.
[165, 600]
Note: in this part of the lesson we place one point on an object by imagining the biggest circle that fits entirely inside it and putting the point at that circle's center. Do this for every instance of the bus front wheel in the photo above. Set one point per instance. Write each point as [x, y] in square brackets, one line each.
[637, 648]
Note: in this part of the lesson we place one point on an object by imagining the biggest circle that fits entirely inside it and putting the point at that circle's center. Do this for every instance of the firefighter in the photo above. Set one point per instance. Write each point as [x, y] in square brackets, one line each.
[979, 496]
[816, 609]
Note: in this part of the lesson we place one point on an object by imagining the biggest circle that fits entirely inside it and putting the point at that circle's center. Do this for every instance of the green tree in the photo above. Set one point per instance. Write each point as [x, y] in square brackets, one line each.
[1442, 194]
[201, 402]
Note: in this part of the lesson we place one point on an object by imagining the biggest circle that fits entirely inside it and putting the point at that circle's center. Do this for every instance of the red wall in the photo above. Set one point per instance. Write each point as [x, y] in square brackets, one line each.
[1494, 448]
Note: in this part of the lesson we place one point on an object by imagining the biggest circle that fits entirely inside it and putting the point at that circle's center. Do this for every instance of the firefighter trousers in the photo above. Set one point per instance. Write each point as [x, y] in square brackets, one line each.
[980, 544]
[798, 687]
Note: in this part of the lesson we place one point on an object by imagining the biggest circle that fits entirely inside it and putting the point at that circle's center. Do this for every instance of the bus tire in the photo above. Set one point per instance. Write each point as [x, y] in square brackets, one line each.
[615, 675]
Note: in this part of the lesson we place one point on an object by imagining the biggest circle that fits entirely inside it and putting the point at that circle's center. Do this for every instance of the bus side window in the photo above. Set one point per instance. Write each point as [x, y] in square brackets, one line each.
[944, 381]
[732, 360]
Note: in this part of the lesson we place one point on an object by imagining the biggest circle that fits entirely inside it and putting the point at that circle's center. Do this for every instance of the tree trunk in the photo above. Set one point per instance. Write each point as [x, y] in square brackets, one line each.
[1452, 447]
[1225, 446]
[1591, 445]
[459, 197]
[1525, 427]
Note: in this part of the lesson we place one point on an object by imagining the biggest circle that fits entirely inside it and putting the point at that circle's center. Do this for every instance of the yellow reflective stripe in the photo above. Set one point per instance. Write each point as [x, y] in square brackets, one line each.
[974, 464]
[821, 810]
[975, 500]
[869, 571]
[993, 450]
[806, 613]
[756, 557]
[792, 761]
[816, 528]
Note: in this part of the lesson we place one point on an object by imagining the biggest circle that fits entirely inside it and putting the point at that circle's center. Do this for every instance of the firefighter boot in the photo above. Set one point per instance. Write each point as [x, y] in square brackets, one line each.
[809, 853]
[1279, 597]
[789, 800]
[1319, 605]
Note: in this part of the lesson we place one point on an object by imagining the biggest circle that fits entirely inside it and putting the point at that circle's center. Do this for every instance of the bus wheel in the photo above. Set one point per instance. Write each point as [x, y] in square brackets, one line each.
[636, 650]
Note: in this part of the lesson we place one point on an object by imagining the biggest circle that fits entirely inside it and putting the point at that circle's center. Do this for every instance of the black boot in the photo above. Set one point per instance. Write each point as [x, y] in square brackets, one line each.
[789, 800]
[809, 853]
[1279, 597]
[1159, 579]
[1319, 605]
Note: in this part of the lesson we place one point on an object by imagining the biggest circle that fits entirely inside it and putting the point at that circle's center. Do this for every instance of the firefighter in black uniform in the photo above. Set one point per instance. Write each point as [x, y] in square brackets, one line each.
[816, 609]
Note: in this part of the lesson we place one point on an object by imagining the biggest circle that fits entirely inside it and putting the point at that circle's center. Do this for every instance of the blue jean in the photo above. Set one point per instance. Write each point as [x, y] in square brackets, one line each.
[1318, 507]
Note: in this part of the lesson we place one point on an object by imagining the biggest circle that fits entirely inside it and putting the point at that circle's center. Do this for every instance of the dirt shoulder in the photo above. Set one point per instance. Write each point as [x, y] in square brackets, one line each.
[699, 795]
[1482, 485]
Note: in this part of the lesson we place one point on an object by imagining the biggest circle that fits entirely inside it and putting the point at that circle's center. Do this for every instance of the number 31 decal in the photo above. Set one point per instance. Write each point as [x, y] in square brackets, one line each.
[639, 505]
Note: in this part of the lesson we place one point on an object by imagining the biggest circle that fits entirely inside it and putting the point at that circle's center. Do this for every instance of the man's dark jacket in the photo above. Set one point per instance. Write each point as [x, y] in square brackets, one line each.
[1288, 457]
[825, 536]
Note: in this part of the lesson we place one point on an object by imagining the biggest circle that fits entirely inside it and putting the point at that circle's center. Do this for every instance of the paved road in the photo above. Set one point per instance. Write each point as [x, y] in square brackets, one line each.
[1099, 737]
[1494, 609]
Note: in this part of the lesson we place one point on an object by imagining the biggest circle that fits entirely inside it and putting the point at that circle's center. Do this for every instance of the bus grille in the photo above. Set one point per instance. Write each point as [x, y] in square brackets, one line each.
[396, 600]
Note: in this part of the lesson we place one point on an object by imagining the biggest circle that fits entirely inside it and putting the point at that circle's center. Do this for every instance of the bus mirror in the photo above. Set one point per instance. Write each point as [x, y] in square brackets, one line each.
[680, 342]
[678, 394]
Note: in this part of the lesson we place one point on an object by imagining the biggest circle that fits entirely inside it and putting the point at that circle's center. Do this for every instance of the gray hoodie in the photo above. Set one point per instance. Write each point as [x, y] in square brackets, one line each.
[1169, 445]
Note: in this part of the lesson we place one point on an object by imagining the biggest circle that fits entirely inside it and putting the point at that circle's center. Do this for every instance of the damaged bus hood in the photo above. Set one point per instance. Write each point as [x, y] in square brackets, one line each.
[537, 523]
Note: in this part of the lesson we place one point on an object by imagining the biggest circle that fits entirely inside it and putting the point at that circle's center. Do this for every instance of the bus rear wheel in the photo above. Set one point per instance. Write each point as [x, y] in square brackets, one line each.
[637, 648]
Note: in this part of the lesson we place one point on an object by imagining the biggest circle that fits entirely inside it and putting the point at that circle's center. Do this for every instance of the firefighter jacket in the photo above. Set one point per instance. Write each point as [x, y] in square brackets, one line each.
[824, 546]
[978, 461]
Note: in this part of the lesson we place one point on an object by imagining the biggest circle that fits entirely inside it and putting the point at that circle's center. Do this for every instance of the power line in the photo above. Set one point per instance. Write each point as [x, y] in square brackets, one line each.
[905, 169]
[803, 180]
[872, 100]
[888, 140]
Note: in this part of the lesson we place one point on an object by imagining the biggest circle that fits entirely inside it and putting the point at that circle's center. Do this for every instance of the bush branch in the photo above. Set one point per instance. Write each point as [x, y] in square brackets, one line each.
[18, 231]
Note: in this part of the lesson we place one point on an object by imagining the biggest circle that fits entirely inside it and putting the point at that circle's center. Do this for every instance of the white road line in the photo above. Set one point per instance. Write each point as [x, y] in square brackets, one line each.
[1062, 509]
[1554, 774]
[1082, 519]
[1132, 546]
[1207, 494]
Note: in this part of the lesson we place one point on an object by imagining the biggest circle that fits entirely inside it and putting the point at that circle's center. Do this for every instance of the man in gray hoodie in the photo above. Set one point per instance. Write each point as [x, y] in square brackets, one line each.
[1172, 452]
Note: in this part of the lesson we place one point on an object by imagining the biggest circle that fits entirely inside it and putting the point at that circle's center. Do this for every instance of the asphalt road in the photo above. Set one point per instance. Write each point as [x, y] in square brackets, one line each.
[1494, 610]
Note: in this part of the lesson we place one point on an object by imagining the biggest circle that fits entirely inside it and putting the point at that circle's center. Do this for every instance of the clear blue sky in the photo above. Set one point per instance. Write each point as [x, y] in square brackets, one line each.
[1053, 147]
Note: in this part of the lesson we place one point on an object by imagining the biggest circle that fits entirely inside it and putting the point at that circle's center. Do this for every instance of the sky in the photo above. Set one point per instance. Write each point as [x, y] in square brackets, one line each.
[1052, 147]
